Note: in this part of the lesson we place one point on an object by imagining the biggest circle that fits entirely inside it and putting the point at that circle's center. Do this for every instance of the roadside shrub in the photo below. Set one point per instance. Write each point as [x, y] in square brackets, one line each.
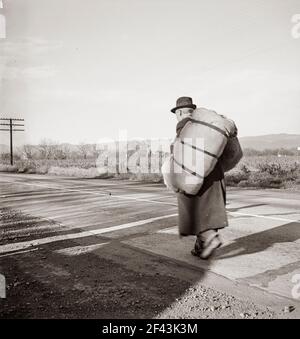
[42, 169]
[245, 169]
[74, 172]
[277, 168]
[265, 180]
[8, 168]
[253, 171]
[147, 177]
[234, 177]
[26, 166]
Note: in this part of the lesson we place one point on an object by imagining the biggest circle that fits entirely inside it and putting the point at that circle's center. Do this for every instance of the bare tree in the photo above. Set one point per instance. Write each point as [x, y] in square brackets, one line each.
[46, 148]
[95, 151]
[28, 151]
[61, 152]
[84, 149]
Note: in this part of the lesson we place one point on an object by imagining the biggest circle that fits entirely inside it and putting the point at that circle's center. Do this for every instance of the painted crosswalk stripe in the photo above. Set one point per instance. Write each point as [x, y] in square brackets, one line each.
[78, 250]
[20, 252]
[27, 244]
[265, 217]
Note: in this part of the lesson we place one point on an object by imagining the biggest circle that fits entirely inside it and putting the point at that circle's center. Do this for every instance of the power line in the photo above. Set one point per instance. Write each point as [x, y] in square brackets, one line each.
[14, 119]
[11, 129]
[13, 124]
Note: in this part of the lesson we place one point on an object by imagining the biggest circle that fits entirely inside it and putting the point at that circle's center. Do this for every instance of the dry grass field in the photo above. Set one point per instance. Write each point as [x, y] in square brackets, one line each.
[253, 171]
[266, 172]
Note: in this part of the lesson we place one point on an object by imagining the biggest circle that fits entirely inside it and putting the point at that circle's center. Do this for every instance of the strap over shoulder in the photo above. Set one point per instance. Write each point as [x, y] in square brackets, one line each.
[181, 124]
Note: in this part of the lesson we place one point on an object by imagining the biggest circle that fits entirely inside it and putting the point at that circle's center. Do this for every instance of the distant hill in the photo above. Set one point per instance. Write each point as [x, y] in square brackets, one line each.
[271, 141]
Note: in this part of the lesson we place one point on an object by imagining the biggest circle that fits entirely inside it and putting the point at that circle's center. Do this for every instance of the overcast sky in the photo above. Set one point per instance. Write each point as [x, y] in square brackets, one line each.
[78, 71]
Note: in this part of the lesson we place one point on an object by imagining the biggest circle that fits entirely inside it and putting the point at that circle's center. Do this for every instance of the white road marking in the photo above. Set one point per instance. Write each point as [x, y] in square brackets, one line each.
[144, 200]
[90, 192]
[78, 250]
[27, 244]
[20, 252]
[265, 217]
[126, 197]
[174, 230]
[169, 230]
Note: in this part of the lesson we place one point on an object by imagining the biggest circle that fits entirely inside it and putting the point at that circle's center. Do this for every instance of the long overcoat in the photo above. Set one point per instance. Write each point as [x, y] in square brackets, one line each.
[206, 210]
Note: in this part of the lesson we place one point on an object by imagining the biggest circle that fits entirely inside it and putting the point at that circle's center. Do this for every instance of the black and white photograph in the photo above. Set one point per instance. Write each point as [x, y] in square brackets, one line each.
[149, 162]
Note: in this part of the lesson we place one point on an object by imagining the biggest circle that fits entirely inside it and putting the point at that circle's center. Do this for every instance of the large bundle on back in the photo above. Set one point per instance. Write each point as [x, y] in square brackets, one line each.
[196, 150]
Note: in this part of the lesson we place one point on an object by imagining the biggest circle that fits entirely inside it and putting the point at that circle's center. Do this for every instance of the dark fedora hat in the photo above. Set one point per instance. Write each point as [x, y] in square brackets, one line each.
[183, 102]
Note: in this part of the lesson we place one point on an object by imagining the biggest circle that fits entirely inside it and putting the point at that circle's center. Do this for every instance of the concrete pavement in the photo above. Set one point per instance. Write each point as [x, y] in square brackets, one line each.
[261, 251]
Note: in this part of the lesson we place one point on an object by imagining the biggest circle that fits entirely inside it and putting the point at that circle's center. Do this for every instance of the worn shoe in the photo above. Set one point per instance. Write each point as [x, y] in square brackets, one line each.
[210, 246]
[204, 249]
[198, 248]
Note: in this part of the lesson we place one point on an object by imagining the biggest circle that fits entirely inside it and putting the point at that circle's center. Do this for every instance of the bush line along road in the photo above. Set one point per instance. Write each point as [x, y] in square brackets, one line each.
[109, 249]
[267, 171]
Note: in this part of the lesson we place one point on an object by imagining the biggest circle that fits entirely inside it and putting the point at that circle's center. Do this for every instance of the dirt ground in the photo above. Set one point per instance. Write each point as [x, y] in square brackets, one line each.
[117, 281]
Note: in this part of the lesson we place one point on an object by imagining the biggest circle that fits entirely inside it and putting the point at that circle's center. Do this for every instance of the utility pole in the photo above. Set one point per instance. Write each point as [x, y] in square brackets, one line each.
[10, 127]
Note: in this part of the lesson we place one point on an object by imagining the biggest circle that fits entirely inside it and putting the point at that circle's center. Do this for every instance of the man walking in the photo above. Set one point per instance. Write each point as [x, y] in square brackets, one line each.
[202, 214]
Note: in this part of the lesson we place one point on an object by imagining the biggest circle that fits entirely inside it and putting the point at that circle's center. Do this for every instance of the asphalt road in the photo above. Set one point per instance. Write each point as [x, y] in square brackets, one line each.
[109, 248]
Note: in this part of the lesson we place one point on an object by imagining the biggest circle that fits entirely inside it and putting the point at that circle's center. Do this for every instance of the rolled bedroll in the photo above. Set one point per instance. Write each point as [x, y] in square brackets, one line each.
[196, 150]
